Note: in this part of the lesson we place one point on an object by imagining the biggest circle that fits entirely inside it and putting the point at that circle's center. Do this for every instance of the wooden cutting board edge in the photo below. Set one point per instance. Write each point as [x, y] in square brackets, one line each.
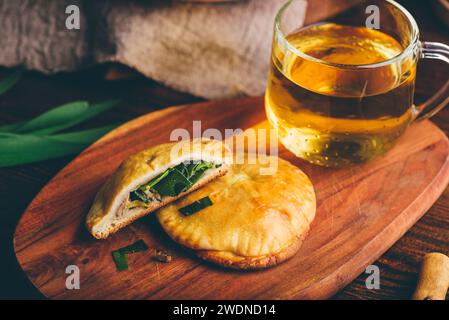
[437, 187]
[346, 273]
[416, 206]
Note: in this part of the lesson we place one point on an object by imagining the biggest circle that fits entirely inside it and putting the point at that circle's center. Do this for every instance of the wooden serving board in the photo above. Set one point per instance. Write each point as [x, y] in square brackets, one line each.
[362, 211]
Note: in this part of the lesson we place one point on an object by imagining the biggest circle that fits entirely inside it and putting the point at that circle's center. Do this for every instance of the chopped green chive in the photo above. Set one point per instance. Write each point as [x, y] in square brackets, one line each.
[196, 206]
[119, 256]
[137, 246]
[121, 261]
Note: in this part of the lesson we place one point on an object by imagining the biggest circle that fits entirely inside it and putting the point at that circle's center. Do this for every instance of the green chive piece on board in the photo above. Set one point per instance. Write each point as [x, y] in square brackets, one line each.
[119, 255]
[137, 246]
[121, 261]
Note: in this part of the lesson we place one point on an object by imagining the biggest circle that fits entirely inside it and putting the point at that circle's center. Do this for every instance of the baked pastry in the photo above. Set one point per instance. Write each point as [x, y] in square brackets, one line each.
[251, 221]
[152, 178]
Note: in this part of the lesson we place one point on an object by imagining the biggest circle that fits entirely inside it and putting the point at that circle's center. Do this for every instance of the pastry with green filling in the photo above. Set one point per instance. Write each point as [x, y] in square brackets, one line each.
[245, 220]
[152, 178]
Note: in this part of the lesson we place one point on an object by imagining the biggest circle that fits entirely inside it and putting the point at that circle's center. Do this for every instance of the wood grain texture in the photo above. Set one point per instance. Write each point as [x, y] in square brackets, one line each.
[362, 211]
[36, 93]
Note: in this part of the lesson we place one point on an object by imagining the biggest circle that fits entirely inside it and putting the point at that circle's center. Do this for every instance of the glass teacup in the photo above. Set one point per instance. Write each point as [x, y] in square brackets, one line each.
[341, 92]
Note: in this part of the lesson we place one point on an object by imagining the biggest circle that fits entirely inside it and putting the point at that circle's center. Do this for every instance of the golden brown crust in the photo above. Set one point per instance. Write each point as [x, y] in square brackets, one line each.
[157, 205]
[105, 217]
[230, 260]
[256, 220]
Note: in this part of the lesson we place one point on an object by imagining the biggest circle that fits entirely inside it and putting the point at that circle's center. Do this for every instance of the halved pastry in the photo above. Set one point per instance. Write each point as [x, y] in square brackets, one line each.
[245, 220]
[152, 178]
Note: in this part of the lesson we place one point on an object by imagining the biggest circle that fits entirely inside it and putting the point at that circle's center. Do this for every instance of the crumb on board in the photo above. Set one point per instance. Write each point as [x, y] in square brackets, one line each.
[161, 256]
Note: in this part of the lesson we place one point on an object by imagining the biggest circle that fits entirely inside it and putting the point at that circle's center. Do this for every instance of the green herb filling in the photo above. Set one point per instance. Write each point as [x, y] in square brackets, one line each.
[196, 206]
[171, 182]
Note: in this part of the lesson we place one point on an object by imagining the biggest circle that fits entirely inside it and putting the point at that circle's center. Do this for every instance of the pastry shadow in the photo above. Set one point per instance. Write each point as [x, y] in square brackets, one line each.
[177, 250]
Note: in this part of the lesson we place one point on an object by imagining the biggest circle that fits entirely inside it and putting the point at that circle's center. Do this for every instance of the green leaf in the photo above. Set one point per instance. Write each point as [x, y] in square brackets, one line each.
[198, 170]
[173, 184]
[196, 206]
[154, 181]
[137, 246]
[10, 81]
[18, 149]
[140, 192]
[55, 117]
[64, 117]
[173, 181]
[119, 256]
[21, 149]
[11, 127]
[85, 136]
[121, 261]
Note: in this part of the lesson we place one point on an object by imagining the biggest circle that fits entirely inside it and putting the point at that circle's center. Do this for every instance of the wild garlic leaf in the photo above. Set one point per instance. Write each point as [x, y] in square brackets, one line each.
[173, 181]
[198, 171]
[18, 149]
[21, 149]
[55, 118]
[65, 116]
[155, 181]
[7, 83]
[84, 136]
[11, 127]
[173, 184]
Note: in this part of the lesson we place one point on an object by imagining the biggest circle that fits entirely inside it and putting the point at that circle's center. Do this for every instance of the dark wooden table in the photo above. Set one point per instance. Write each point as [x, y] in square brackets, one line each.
[36, 93]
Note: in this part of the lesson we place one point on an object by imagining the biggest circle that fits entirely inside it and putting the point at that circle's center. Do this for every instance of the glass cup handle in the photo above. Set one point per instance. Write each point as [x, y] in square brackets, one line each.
[440, 51]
